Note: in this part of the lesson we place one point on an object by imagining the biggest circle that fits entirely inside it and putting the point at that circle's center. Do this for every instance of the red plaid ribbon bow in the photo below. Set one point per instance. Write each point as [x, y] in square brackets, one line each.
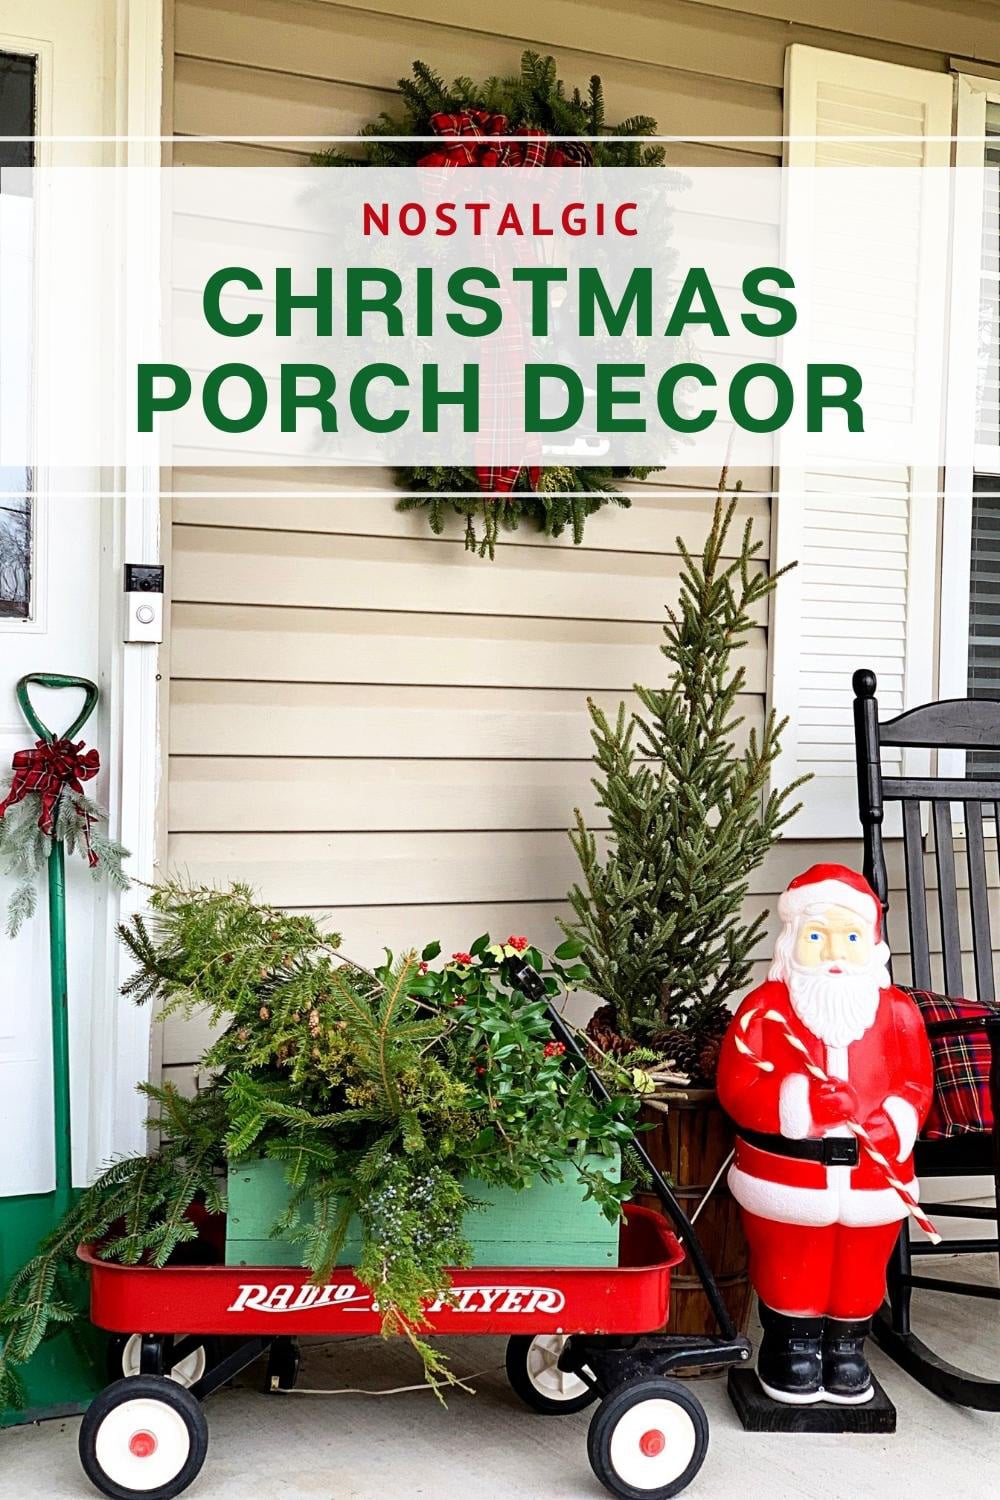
[47, 769]
[482, 144]
[477, 142]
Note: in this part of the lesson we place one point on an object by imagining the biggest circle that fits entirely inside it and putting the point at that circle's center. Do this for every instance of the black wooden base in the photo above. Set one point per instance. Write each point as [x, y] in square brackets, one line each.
[759, 1413]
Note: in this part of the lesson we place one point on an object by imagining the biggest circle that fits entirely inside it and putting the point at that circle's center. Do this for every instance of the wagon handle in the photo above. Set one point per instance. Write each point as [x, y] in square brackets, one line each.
[526, 978]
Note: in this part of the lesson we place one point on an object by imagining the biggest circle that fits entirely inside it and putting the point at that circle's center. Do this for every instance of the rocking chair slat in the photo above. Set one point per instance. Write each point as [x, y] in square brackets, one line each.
[960, 1211]
[913, 848]
[982, 942]
[956, 1288]
[956, 1247]
[944, 856]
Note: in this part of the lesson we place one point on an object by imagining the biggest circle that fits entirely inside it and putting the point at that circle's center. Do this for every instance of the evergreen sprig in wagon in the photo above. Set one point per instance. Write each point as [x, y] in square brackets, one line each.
[577, 1333]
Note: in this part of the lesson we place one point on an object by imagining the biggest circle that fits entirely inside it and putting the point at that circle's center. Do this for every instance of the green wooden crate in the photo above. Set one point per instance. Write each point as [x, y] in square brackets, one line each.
[549, 1224]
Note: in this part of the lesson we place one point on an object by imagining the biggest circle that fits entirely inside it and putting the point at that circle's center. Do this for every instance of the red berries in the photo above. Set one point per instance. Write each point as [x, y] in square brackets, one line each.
[517, 943]
[461, 958]
[424, 967]
[555, 1049]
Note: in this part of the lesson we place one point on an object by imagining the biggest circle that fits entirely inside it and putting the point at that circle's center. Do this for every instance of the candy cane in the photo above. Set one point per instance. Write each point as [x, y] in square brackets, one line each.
[858, 1131]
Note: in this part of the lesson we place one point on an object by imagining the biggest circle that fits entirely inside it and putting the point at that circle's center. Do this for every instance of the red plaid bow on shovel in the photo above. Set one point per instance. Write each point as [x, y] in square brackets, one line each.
[49, 768]
[478, 141]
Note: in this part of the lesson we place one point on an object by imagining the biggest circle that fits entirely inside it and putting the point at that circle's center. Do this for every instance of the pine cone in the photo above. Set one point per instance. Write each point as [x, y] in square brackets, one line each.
[695, 1053]
[604, 1033]
[708, 1058]
[682, 1049]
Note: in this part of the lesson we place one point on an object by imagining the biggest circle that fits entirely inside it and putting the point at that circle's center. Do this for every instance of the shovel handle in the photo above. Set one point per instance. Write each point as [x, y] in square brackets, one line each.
[56, 680]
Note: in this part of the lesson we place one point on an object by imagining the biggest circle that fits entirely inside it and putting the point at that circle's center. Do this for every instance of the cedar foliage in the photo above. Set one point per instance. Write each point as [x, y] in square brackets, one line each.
[536, 97]
[658, 906]
[78, 822]
[139, 1206]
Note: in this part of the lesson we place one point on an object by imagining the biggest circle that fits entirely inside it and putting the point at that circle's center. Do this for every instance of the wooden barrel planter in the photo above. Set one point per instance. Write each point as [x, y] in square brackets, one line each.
[689, 1143]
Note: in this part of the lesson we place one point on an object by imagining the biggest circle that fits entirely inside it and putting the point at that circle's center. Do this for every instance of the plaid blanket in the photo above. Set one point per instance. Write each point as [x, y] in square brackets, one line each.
[961, 1104]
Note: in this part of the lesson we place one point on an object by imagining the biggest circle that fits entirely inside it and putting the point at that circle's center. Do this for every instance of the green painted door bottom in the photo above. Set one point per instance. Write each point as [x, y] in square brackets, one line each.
[68, 1370]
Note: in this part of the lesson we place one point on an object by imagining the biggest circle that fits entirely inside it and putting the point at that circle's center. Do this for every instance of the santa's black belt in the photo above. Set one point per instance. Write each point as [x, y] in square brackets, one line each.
[830, 1150]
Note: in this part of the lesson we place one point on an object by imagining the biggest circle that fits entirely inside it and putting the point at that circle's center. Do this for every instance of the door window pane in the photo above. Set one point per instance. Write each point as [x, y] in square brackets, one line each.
[15, 552]
[17, 109]
[17, 118]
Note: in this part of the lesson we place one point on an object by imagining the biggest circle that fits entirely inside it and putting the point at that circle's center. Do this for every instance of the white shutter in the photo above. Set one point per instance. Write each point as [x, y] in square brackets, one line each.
[864, 538]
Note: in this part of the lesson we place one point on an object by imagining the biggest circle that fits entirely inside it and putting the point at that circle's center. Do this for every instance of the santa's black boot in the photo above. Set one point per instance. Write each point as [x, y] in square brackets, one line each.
[847, 1379]
[790, 1359]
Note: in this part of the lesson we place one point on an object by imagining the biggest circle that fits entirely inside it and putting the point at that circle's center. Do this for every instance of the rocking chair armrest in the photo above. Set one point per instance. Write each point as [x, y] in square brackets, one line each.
[968, 1025]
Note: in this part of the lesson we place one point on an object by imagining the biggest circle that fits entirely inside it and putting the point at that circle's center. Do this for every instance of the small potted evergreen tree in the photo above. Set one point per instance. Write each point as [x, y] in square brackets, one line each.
[660, 908]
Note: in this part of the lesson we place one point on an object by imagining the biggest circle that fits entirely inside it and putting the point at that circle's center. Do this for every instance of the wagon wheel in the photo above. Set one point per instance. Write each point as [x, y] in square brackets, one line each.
[534, 1375]
[125, 1353]
[143, 1438]
[648, 1440]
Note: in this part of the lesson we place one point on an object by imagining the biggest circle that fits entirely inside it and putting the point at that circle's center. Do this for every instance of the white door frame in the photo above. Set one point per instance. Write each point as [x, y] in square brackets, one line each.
[129, 109]
[132, 522]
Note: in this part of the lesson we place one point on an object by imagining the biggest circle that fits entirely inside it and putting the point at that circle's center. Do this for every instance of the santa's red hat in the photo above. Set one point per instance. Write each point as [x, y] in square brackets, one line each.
[831, 885]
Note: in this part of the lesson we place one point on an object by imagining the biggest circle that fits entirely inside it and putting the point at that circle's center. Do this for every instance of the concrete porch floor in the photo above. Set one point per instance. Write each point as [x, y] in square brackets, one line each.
[488, 1446]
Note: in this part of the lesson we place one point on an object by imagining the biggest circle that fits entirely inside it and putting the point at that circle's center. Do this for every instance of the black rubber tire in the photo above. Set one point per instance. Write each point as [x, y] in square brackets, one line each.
[516, 1359]
[118, 1342]
[611, 1411]
[153, 1388]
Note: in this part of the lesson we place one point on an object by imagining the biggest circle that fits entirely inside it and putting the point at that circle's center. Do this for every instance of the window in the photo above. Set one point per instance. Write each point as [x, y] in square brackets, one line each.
[984, 608]
[17, 109]
[984, 570]
[863, 536]
[17, 119]
[15, 556]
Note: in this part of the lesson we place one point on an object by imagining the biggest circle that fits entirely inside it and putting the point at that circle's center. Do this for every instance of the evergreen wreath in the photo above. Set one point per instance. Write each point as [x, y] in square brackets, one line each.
[553, 500]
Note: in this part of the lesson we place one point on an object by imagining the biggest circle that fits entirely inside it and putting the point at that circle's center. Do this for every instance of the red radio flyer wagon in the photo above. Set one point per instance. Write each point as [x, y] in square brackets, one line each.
[575, 1335]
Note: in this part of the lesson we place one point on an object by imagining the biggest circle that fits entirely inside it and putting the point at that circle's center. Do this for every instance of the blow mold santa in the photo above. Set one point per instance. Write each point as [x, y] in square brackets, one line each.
[826, 1073]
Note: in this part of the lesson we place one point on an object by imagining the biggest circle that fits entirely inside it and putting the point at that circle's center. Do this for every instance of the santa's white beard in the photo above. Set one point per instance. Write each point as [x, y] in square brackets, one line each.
[837, 1007]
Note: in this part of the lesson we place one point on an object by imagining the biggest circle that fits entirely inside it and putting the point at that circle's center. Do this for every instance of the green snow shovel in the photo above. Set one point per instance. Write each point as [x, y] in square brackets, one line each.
[64, 1373]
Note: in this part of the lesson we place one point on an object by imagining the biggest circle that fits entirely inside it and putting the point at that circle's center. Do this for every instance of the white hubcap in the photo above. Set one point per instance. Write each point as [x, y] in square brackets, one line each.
[652, 1444]
[142, 1444]
[187, 1371]
[544, 1372]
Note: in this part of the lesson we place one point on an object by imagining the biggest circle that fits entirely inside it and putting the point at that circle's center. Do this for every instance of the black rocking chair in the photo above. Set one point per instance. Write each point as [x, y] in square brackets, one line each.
[960, 724]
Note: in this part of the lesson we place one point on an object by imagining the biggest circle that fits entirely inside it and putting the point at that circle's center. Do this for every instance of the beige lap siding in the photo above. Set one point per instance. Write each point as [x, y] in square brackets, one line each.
[364, 722]
[408, 771]
[368, 723]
